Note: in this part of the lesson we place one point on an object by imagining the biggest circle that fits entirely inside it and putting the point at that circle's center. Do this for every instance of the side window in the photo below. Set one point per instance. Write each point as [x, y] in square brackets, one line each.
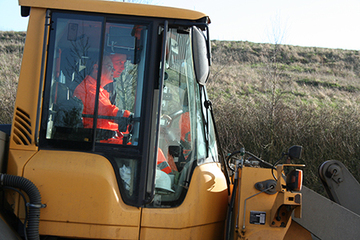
[75, 50]
[95, 77]
[212, 154]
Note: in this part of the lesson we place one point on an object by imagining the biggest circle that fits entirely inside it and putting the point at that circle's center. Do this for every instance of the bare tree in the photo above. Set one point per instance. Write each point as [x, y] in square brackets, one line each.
[277, 32]
[276, 37]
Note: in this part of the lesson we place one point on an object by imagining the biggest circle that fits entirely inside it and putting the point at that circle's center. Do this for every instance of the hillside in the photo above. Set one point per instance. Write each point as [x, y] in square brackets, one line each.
[270, 97]
[313, 73]
[266, 98]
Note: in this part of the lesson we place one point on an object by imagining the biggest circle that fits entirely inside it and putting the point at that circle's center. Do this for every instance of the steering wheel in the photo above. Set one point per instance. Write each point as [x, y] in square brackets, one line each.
[169, 118]
[166, 129]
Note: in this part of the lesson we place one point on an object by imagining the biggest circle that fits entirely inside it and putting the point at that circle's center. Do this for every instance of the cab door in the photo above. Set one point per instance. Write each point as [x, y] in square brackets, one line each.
[93, 149]
[190, 198]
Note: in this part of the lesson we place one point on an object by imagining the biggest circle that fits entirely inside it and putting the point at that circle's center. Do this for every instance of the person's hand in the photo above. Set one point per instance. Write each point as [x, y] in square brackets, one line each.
[127, 113]
[123, 119]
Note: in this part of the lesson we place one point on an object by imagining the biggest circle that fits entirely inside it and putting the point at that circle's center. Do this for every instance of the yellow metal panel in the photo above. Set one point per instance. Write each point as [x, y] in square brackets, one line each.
[28, 86]
[17, 160]
[82, 196]
[88, 231]
[211, 231]
[200, 216]
[116, 8]
[262, 202]
[15, 165]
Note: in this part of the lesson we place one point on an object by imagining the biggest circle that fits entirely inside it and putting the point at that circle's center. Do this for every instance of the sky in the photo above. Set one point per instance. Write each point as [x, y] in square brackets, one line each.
[313, 23]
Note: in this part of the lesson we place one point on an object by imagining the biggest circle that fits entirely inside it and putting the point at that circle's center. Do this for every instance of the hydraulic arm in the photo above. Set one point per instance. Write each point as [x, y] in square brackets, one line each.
[339, 217]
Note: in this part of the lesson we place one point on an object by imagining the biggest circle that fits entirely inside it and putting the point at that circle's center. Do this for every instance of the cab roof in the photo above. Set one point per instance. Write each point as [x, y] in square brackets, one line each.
[114, 7]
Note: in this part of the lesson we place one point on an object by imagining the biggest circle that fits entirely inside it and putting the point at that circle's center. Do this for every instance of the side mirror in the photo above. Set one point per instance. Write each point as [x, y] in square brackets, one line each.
[295, 152]
[200, 55]
[25, 11]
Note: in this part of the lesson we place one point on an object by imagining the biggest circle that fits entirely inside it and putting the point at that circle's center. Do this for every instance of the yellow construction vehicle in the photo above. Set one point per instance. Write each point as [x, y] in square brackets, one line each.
[113, 135]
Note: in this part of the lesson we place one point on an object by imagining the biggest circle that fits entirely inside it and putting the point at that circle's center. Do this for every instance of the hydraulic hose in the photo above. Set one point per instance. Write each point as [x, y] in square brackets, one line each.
[229, 217]
[32, 230]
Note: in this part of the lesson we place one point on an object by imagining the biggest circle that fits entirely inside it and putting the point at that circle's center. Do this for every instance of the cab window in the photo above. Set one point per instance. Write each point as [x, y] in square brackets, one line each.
[95, 74]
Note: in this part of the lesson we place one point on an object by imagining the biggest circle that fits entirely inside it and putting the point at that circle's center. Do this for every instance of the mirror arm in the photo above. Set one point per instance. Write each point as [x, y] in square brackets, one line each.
[208, 44]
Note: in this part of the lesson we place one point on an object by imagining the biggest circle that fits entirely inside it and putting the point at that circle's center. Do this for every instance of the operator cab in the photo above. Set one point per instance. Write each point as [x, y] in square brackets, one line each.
[160, 82]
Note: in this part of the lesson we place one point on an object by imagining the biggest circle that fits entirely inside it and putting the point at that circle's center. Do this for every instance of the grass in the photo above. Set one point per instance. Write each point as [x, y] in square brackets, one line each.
[11, 49]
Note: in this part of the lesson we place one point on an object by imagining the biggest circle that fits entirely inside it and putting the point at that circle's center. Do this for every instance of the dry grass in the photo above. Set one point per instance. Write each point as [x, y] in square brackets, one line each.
[11, 49]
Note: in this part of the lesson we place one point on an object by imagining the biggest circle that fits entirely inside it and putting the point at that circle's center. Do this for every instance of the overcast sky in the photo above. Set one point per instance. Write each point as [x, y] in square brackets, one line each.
[319, 23]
